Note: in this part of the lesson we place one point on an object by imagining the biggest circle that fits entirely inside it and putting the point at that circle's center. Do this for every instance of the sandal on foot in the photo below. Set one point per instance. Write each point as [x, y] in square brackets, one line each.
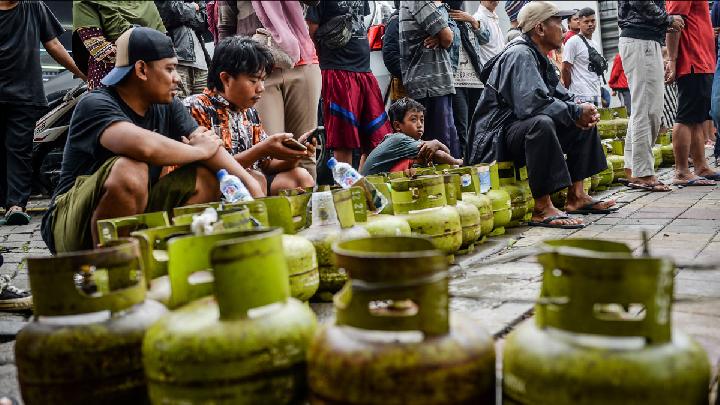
[655, 187]
[713, 177]
[589, 208]
[696, 182]
[546, 223]
[17, 217]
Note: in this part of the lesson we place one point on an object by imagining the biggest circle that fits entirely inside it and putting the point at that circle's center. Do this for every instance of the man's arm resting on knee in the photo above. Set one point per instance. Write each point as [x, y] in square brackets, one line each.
[126, 139]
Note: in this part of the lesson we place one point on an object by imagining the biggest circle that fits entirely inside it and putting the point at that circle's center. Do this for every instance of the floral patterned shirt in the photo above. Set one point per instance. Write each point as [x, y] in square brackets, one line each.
[239, 130]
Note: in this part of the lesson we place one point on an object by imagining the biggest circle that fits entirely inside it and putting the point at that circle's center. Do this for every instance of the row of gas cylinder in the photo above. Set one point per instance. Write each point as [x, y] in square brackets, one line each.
[612, 129]
[601, 333]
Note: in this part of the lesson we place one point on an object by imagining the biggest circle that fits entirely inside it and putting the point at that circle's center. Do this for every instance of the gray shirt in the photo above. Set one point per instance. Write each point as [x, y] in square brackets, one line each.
[426, 72]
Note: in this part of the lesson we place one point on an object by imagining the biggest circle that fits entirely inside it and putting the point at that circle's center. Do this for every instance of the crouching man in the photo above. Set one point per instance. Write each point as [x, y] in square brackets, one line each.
[119, 139]
[526, 116]
[235, 84]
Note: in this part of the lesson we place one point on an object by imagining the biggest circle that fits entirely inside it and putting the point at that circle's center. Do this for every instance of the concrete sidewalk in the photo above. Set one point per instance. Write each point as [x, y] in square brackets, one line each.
[683, 224]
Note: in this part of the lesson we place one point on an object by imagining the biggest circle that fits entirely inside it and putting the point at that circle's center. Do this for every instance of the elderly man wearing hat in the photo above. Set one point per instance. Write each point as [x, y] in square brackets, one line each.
[119, 139]
[525, 115]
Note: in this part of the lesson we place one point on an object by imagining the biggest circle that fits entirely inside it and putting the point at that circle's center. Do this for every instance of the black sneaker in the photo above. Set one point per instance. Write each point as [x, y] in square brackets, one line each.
[13, 298]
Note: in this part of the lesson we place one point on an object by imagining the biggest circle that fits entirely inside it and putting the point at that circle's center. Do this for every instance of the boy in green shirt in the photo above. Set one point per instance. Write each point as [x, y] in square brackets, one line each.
[403, 149]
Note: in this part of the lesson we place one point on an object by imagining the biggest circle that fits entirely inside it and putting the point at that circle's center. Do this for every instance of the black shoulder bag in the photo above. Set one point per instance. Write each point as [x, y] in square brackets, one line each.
[598, 64]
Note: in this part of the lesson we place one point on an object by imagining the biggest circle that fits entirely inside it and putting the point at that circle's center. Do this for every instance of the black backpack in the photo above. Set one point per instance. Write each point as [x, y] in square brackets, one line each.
[598, 64]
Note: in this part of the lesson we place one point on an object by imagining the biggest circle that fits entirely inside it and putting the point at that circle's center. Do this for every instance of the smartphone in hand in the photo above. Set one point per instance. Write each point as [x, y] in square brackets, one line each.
[315, 134]
[294, 144]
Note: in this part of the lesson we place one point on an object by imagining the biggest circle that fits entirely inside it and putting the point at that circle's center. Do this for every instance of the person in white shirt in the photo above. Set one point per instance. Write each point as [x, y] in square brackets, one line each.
[488, 18]
[576, 74]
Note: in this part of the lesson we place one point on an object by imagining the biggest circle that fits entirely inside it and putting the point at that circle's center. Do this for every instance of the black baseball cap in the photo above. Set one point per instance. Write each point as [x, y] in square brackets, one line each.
[138, 43]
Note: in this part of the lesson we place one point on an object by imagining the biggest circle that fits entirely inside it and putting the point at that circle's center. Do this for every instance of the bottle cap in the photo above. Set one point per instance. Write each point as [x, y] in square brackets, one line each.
[331, 163]
[221, 173]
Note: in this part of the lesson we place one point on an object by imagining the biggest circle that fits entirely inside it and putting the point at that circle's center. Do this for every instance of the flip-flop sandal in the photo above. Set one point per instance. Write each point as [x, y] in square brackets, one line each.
[713, 177]
[546, 223]
[649, 187]
[589, 208]
[696, 182]
[623, 181]
[17, 218]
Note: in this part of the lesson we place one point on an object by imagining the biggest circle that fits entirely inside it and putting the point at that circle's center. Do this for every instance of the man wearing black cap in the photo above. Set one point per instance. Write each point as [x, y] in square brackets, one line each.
[525, 115]
[119, 139]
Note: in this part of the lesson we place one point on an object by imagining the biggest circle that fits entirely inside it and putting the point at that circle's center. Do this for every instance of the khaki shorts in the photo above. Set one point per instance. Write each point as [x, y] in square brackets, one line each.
[71, 216]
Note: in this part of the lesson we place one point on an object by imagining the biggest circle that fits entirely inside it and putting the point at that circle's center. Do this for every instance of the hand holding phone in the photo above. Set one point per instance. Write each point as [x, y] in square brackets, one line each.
[315, 135]
[294, 145]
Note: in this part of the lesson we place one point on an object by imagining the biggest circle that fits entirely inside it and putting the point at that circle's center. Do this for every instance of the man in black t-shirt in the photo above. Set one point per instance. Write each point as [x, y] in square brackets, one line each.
[353, 110]
[23, 27]
[119, 139]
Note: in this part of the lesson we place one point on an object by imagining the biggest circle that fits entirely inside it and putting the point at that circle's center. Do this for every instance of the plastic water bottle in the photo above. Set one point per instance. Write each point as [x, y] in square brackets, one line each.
[346, 176]
[232, 188]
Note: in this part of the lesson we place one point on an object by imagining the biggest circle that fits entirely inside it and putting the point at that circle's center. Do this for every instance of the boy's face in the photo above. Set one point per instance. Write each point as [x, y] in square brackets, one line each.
[412, 125]
[243, 90]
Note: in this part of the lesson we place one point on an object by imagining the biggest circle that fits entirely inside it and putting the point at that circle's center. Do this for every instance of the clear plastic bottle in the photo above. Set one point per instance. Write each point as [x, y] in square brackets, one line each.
[232, 189]
[346, 176]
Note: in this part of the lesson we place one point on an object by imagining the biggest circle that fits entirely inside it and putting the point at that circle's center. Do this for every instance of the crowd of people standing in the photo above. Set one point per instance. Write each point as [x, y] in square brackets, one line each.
[163, 114]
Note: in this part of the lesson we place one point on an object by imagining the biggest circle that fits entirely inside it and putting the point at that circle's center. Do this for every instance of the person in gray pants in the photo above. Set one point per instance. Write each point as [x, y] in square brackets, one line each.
[643, 25]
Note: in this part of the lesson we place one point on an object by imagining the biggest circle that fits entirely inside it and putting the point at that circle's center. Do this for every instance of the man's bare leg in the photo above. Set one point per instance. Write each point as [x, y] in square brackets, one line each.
[343, 155]
[577, 198]
[697, 151]
[124, 193]
[683, 142]
[291, 179]
[207, 187]
[681, 138]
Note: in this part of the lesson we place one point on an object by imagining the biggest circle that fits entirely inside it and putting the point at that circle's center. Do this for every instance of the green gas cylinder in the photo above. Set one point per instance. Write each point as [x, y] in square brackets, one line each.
[302, 265]
[108, 229]
[485, 207]
[518, 196]
[606, 176]
[602, 333]
[483, 179]
[606, 125]
[422, 203]
[666, 149]
[84, 347]
[394, 340]
[618, 165]
[333, 219]
[245, 345]
[376, 224]
[657, 156]
[501, 202]
[594, 182]
[469, 214]
[620, 120]
[521, 179]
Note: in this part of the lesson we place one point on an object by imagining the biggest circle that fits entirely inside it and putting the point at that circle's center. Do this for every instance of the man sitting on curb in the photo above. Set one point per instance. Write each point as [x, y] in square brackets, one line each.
[121, 136]
[525, 115]
[235, 84]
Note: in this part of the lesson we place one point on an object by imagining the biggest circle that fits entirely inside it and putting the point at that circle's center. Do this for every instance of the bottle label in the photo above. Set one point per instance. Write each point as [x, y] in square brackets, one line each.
[465, 180]
[484, 175]
[349, 179]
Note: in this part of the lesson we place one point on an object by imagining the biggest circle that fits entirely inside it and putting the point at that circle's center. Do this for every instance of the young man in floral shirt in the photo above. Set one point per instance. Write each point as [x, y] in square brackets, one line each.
[235, 84]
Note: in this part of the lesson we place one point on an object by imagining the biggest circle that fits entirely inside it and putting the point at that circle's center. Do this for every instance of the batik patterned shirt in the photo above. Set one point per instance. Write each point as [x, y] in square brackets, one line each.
[239, 130]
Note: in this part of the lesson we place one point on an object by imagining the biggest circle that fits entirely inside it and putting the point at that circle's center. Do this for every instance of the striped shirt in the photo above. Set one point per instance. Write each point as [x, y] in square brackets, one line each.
[426, 72]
